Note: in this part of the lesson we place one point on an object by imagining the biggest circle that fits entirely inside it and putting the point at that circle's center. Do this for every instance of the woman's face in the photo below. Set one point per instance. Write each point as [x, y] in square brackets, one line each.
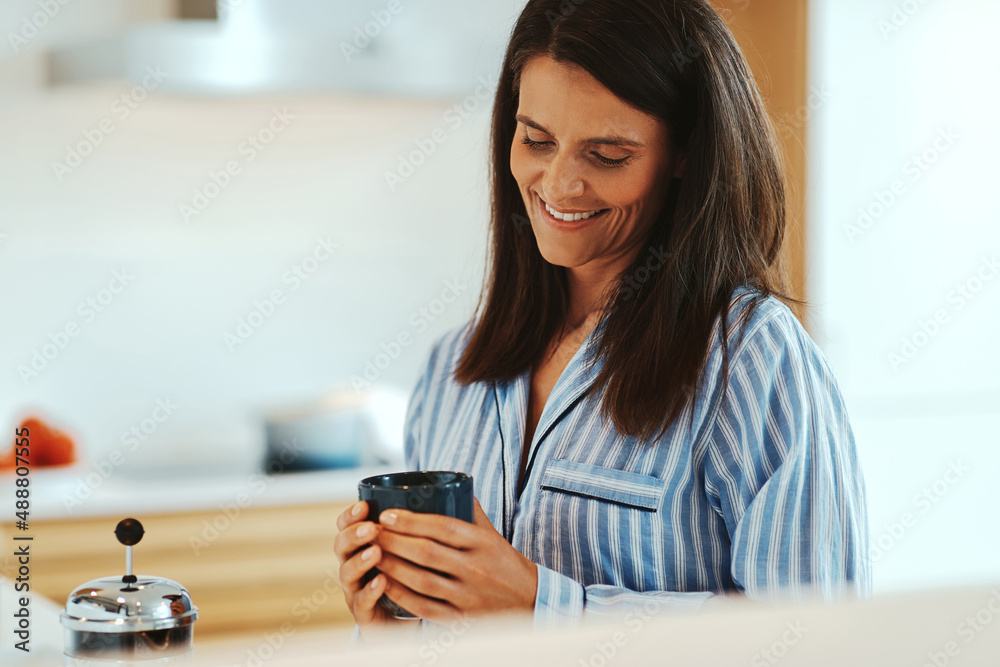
[593, 159]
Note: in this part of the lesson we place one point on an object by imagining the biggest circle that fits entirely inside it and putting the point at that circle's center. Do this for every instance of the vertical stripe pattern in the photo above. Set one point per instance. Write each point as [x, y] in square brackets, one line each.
[757, 492]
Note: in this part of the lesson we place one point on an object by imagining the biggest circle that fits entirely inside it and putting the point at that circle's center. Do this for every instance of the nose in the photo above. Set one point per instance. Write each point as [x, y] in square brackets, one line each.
[561, 181]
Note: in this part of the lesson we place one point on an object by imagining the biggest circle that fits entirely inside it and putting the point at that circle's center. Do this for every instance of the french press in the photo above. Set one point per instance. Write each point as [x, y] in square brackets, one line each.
[130, 617]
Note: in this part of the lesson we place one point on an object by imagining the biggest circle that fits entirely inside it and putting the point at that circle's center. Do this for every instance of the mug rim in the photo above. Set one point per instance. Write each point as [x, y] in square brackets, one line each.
[372, 482]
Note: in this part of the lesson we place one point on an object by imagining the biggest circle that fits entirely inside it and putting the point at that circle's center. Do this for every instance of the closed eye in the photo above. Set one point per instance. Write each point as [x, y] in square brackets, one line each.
[541, 145]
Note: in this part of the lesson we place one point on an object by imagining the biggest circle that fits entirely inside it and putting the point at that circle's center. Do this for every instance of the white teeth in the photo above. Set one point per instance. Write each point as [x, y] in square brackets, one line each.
[569, 217]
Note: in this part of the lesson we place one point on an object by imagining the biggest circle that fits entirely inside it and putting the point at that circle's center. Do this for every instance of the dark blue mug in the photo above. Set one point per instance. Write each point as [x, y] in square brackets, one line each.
[426, 491]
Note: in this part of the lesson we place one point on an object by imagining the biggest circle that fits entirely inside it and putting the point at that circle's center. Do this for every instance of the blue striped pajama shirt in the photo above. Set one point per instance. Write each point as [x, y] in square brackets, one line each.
[759, 494]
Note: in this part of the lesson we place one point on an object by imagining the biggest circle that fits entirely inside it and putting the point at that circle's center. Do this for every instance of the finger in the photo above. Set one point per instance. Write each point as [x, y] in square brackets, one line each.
[356, 512]
[419, 605]
[366, 599]
[444, 529]
[354, 568]
[348, 541]
[418, 579]
[420, 551]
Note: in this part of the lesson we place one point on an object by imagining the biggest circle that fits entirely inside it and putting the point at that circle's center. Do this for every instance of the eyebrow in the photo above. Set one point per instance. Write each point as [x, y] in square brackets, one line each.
[605, 141]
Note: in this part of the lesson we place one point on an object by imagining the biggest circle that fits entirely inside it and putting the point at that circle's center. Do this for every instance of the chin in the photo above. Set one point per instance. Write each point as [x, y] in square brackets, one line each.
[562, 254]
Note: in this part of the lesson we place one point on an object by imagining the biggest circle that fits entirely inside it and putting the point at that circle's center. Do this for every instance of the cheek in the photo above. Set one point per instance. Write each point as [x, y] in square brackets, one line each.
[517, 166]
[523, 166]
[637, 193]
[625, 194]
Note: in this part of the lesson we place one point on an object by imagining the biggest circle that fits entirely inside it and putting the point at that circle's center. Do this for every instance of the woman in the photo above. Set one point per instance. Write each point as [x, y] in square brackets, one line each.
[644, 420]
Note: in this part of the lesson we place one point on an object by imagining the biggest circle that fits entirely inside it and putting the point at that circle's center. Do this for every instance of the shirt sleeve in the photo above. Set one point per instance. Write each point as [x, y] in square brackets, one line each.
[563, 601]
[781, 469]
[419, 411]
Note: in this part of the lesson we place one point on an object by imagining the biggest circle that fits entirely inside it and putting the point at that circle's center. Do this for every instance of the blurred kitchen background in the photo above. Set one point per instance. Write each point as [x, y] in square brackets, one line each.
[212, 214]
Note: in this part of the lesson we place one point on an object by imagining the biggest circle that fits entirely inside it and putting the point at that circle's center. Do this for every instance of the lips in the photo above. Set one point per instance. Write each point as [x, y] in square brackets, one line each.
[568, 219]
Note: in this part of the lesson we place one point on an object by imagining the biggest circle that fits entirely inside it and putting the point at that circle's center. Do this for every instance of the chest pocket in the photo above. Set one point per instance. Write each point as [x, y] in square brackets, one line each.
[630, 489]
[601, 525]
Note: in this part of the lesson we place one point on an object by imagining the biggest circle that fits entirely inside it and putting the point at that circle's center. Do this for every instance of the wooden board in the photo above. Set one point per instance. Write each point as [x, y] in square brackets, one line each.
[249, 572]
[774, 38]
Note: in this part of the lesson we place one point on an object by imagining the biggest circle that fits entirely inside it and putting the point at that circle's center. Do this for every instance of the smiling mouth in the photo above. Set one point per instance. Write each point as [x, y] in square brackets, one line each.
[573, 216]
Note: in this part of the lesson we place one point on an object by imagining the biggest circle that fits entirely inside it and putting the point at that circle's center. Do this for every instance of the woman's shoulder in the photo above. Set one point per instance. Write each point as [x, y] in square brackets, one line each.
[762, 331]
[775, 370]
[754, 315]
[446, 350]
[769, 347]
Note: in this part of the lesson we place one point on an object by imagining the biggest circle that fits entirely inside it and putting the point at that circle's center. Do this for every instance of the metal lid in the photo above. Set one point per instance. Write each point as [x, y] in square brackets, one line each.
[110, 605]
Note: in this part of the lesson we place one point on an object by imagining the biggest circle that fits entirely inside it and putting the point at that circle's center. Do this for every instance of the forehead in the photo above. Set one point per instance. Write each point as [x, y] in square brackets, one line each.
[566, 99]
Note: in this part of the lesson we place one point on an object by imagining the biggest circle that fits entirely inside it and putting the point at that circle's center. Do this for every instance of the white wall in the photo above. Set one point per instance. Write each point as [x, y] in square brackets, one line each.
[32, 29]
[323, 175]
[900, 76]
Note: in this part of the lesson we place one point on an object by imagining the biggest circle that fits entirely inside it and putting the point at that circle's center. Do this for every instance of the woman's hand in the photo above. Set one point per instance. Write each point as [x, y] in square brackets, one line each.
[475, 570]
[355, 533]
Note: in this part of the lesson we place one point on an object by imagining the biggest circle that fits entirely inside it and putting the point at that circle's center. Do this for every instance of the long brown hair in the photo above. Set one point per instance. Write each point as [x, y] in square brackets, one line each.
[721, 227]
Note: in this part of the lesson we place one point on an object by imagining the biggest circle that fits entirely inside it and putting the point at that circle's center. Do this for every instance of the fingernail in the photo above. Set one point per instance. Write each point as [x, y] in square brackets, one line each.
[376, 581]
[356, 510]
[388, 518]
[365, 531]
[368, 553]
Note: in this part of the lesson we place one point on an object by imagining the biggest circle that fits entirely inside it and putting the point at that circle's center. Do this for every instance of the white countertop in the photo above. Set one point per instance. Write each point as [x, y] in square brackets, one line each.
[909, 629]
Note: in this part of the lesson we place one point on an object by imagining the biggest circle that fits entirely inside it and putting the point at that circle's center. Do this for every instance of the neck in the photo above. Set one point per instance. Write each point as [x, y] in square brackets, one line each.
[588, 290]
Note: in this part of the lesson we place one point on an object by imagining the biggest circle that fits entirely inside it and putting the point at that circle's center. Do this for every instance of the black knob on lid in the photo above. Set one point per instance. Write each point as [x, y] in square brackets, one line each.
[129, 532]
